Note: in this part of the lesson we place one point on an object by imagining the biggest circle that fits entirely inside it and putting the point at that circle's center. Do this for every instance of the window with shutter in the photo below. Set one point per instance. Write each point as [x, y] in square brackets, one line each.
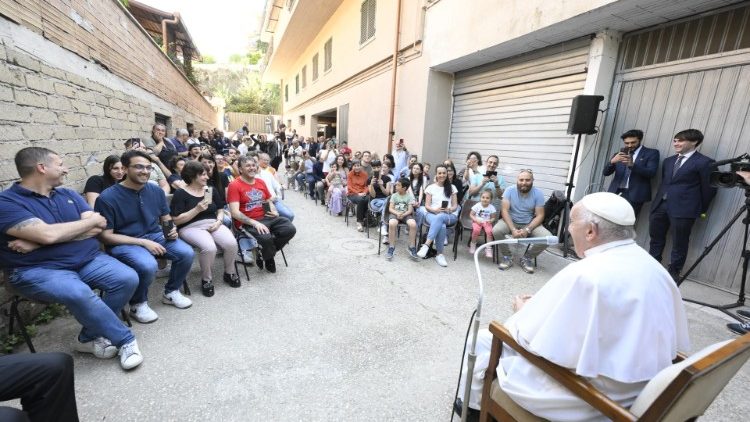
[328, 53]
[304, 77]
[367, 20]
[315, 67]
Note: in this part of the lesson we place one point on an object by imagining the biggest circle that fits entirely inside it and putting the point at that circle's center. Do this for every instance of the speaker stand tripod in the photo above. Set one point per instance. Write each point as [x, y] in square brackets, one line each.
[568, 202]
[745, 259]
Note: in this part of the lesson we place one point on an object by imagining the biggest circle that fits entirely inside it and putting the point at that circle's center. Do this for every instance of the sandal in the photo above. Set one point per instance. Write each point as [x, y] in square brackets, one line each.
[208, 288]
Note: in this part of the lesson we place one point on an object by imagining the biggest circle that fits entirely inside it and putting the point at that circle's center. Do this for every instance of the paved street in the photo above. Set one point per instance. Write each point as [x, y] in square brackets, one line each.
[341, 334]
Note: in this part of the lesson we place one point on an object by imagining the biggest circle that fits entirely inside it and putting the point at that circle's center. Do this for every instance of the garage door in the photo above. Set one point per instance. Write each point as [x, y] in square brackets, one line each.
[706, 87]
[518, 109]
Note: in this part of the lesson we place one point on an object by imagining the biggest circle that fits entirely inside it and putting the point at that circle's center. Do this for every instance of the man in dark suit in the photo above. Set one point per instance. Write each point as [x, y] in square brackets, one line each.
[684, 195]
[634, 167]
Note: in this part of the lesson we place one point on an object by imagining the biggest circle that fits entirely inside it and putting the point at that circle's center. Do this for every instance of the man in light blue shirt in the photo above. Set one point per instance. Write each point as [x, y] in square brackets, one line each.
[522, 211]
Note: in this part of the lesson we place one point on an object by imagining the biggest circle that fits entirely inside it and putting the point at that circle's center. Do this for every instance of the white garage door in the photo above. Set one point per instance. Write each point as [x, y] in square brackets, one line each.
[518, 109]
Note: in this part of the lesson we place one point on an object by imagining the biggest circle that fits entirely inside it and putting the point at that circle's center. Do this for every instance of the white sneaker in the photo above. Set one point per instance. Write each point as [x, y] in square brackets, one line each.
[99, 347]
[440, 259]
[423, 251]
[130, 355]
[384, 230]
[142, 313]
[359, 227]
[176, 299]
[445, 242]
[385, 239]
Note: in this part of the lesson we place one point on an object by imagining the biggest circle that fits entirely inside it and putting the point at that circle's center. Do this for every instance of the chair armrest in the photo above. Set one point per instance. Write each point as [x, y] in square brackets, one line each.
[575, 383]
[679, 358]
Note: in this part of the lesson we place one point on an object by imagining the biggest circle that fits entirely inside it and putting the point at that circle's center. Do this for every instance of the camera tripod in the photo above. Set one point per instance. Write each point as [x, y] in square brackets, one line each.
[745, 209]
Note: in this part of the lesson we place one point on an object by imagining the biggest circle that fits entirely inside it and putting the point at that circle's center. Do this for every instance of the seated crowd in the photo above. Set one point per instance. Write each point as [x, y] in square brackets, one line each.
[57, 245]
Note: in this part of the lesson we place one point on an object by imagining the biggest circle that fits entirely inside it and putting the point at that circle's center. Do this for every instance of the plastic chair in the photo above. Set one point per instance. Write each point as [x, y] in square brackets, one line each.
[679, 392]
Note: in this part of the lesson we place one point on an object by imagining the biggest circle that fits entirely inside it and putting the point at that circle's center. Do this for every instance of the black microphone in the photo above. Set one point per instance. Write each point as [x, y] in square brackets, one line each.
[546, 240]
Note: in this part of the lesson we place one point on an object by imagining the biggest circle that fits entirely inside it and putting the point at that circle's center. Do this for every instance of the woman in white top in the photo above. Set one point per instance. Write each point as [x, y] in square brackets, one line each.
[328, 156]
[440, 203]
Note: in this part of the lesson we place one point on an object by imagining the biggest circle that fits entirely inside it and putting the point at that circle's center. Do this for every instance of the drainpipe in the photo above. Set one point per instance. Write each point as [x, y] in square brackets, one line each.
[393, 80]
[165, 34]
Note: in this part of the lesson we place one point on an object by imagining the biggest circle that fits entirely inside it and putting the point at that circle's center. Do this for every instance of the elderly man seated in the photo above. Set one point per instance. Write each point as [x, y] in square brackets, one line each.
[522, 212]
[594, 317]
[47, 247]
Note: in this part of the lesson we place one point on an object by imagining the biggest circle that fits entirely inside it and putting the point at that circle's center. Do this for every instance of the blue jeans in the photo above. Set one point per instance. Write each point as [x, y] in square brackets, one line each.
[283, 210]
[438, 228]
[141, 260]
[73, 288]
[377, 205]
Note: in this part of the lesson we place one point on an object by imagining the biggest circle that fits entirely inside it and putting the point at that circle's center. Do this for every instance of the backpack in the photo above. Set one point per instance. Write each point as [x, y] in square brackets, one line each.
[553, 210]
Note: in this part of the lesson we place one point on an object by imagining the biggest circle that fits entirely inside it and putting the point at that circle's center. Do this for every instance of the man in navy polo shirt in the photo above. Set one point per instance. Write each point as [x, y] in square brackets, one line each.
[135, 211]
[48, 250]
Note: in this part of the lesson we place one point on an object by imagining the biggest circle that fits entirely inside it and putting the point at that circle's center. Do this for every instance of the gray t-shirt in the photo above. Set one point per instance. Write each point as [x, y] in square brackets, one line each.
[522, 206]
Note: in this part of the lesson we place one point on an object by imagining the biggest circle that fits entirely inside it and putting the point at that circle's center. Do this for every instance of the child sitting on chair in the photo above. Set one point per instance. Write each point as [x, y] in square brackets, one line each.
[402, 211]
[483, 213]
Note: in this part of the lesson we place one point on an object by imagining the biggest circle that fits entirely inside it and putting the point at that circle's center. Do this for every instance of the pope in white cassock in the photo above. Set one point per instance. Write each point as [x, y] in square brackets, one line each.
[614, 317]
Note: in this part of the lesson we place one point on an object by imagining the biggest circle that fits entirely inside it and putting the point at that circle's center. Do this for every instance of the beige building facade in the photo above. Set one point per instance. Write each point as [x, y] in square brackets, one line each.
[499, 77]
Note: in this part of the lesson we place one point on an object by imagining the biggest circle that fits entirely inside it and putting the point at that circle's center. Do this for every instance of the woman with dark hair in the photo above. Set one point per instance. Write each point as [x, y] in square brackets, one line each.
[175, 165]
[113, 172]
[198, 211]
[440, 203]
[455, 181]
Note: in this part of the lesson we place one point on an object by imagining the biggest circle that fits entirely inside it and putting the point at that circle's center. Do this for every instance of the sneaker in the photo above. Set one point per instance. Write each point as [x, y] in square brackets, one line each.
[385, 240]
[130, 355]
[488, 252]
[389, 252]
[472, 248]
[505, 263]
[413, 253]
[99, 347]
[738, 328]
[384, 230]
[270, 265]
[176, 299]
[527, 264]
[440, 259]
[207, 287]
[423, 251]
[744, 314]
[233, 280]
[360, 228]
[445, 242]
[142, 313]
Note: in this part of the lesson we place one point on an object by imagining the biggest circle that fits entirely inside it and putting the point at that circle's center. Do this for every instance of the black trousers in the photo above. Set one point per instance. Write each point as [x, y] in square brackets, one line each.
[361, 203]
[659, 224]
[636, 205]
[281, 231]
[43, 382]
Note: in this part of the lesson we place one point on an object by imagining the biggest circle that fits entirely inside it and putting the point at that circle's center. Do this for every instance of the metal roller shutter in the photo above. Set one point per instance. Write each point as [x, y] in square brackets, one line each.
[518, 109]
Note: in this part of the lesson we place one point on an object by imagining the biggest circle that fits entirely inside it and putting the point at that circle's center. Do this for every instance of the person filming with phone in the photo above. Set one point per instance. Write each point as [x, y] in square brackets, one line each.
[481, 181]
[198, 212]
[633, 166]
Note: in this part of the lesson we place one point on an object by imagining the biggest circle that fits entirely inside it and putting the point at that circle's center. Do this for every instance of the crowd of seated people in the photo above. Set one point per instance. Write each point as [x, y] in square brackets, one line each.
[58, 245]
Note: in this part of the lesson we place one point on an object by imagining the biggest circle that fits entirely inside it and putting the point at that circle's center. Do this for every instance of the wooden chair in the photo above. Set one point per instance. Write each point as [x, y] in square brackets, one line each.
[680, 392]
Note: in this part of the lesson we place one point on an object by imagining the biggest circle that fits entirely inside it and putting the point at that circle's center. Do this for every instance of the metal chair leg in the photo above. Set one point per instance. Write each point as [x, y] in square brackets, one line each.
[284, 257]
[15, 314]
[186, 288]
[125, 317]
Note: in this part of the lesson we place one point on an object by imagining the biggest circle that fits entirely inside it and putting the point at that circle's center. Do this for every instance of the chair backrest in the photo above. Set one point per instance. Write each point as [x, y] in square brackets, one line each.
[685, 390]
[465, 217]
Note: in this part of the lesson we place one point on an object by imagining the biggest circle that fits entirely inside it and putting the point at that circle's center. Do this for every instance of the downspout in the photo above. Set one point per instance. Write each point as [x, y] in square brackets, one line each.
[393, 79]
[164, 34]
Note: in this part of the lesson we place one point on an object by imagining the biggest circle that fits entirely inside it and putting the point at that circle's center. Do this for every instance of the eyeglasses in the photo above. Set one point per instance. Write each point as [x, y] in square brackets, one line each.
[526, 171]
[142, 167]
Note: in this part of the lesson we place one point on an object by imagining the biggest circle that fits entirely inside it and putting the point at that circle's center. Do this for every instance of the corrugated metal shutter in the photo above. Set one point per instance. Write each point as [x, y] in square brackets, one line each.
[518, 109]
[708, 93]
[342, 124]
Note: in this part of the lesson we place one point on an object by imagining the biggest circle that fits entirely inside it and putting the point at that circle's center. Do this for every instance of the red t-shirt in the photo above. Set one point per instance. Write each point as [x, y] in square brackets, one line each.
[249, 196]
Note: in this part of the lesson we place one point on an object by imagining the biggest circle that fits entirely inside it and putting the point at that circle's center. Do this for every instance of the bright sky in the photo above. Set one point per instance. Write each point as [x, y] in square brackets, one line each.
[218, 27]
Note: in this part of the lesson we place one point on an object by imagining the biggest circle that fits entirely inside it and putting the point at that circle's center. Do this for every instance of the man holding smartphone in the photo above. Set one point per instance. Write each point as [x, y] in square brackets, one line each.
[634, 166]
[489, 179]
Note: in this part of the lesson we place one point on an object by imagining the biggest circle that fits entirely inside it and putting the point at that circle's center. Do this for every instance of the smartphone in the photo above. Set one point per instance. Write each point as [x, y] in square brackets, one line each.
[375, 175]
[266, 208]
[490, 174]
[444, 204]
[625, 150]
[208, 194]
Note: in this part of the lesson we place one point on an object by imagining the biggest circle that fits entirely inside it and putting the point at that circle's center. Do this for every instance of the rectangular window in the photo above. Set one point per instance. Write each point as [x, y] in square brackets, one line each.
[286, 93]
[315, 67]
[328, 55]
[296, 84]
[302, 120]
[367, 20]
[304, 77]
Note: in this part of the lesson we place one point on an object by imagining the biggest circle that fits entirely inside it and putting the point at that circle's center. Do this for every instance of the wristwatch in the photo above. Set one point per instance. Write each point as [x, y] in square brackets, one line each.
[528, 230]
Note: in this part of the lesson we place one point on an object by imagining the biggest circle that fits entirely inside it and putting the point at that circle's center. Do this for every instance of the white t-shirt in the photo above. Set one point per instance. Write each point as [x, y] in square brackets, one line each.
[438, 194]
[484, 213]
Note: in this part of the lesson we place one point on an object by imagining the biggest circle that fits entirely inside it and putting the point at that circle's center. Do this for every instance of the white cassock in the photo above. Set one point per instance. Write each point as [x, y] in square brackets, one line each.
[614, 317]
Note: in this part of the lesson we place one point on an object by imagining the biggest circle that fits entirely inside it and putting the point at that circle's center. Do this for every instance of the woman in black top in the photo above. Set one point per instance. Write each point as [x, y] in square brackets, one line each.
[455, 181]
[113, 172]
[198, 211]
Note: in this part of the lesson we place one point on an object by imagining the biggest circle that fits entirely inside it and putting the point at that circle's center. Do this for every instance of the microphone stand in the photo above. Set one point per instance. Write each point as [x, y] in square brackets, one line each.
[472, 358]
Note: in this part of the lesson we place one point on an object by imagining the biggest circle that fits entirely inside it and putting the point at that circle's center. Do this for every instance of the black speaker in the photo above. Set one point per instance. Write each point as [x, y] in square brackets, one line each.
[583, 114]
